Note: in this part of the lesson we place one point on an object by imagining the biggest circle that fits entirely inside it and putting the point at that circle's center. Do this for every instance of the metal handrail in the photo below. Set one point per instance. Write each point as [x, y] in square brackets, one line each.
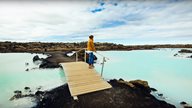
[81, 49]
[102, 55]
[103, 62]
[76, 52]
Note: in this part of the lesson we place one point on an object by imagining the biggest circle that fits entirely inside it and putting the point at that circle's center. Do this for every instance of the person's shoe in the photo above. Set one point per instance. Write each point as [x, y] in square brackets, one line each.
[91, 67]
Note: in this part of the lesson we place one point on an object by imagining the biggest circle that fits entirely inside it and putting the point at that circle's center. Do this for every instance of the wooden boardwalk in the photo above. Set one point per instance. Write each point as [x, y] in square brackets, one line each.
[82, 80]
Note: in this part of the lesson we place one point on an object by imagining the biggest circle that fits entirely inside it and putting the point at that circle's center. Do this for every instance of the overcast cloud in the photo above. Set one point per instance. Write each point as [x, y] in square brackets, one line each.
[119, 21]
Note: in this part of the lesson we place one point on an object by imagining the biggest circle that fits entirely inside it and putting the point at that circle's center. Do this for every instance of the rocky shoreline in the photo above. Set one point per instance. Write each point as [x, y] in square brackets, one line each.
[123, 94]
[133, 94]
[184, 51]
[57, 51]
[39, 47]
[54, 58]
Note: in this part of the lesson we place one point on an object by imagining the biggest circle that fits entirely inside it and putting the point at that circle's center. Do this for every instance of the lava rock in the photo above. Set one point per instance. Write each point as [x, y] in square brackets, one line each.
[187, 106]
[38, 88]
[47, 64]
[26, 64]
[119, 96]
[143, 85]
[185, 51]
[27, 88]
[160, 94]
[121, 79]
[153, 89]
[36, 58]
[175, 54]
[18, 92]
[38, 93]
[183, 103]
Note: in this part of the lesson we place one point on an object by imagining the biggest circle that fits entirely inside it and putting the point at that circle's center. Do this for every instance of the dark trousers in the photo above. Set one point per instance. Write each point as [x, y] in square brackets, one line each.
[91, 58]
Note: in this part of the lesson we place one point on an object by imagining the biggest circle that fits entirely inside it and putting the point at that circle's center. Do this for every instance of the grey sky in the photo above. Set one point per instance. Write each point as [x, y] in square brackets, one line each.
[119, 21]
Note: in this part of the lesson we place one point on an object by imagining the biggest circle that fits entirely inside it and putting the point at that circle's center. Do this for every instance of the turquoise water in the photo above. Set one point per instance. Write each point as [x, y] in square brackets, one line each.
[14, 77]
[170, 75]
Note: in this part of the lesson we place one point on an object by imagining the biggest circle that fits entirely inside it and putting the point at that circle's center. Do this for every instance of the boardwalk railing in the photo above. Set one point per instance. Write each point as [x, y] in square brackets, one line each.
[76, 52]
[103, 61]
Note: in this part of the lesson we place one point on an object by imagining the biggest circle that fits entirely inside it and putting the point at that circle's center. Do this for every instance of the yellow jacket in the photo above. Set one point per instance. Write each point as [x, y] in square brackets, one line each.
[90, 45]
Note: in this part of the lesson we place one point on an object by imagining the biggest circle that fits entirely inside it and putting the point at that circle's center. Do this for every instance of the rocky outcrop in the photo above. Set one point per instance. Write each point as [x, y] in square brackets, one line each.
[18, 94]
[36, 58]
[185, 105]
[185, 51]
[153, 89]
[175, 55]
[123, 94]
[27, 88]
[48, 64]
[54, 59]
[189, 56]
[60, 57]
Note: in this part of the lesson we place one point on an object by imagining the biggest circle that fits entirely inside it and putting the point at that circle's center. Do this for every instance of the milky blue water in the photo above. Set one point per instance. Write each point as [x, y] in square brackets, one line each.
[170, 75]
[14, 77]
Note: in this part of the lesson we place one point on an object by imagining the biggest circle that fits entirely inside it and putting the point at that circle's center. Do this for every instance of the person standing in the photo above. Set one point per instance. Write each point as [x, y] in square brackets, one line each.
[90, 50]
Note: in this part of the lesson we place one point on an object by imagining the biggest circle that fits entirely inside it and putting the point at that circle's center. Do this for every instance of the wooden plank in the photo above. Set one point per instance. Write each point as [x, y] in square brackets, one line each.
[85, 83]
[88, 77]
[88, 88]
[76, 68]
[81, 74]
[83, 80]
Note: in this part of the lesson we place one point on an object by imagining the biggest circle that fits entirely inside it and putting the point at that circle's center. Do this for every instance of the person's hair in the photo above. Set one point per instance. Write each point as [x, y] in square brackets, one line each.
[91, 36]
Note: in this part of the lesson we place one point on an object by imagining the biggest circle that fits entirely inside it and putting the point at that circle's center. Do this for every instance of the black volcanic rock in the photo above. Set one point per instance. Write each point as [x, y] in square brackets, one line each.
[38, 93]
[18, 92]
[175, 54]
[121, 95]
[187, 106]
[189, 56]
[36, 58]
[183, 103]
[39, 47]
[153, 89]
[160, 94]
[48, 64]
[27, 88]
[185, 51]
